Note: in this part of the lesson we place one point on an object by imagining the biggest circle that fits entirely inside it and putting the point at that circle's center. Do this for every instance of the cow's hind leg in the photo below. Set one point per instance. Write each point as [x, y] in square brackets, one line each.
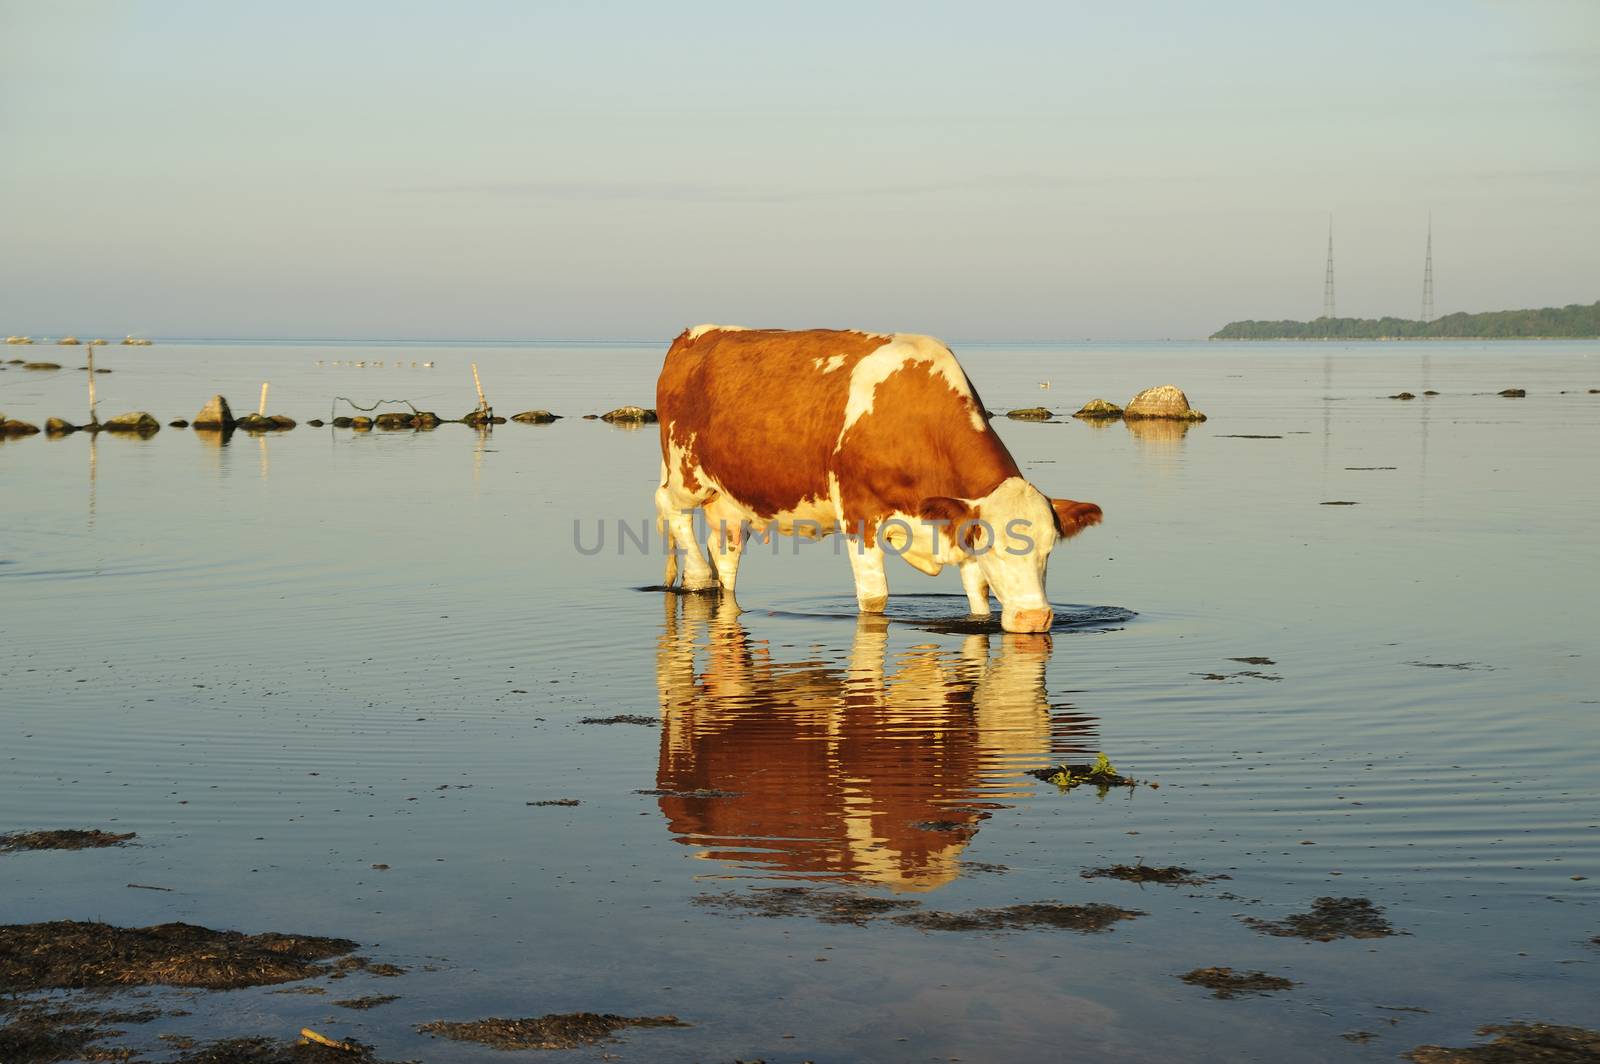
[675, 510]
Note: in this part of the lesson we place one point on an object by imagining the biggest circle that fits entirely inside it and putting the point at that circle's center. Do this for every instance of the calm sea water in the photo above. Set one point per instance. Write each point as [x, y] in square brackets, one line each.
[285, 660]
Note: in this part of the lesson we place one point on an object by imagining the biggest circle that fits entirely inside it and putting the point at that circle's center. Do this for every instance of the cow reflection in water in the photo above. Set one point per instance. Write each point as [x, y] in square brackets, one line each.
[867, 771]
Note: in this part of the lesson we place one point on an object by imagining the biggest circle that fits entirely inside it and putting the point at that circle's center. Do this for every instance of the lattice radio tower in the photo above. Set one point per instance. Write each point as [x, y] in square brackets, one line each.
[1427, 276]
[1328, 310]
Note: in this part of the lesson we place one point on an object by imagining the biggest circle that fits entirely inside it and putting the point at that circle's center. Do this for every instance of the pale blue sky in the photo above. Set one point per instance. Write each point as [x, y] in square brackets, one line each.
[995, 171]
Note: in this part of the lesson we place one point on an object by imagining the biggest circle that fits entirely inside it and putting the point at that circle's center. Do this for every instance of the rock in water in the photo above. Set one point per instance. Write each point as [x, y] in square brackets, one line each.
[1162, 401]
[1509, 393]
[57, 427]
[1099, 408]
[41, 365]
[17, 428]
[177, 423]
[214, 415]
[535, 417]
[636, 414]
[1031, 413]
[265, 423]
[135, 421]
[393, 420]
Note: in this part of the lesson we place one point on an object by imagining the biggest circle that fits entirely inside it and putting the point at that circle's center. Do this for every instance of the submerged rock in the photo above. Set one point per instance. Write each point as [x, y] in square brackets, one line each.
[341, 422]
[635, 414]
[1329, 919]
[316, 422]
[535, 417]
[1515, 393]
[71, 955]
[134, 421]
[1099, 408]
[1402, 395]
[265, 423]
[1544, 1043]
[214, 415]
[63, 839]
[1089, 918]
[1226, 983]
[41, 365]
[1163, 401]
[393, 421]
[177, 423]
[17, 428]
[57, 427]
[1030, 413]
[68, 341]
[557, 1031]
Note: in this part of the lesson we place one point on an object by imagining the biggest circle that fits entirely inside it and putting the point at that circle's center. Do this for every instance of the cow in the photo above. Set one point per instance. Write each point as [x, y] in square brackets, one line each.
[880, 437]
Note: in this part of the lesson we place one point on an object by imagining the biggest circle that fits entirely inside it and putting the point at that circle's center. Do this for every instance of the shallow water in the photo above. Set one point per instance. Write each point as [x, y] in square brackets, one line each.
[285, 660]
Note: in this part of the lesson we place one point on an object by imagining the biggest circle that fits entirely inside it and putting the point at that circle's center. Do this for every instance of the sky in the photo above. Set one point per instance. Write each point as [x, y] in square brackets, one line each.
[1003, 171]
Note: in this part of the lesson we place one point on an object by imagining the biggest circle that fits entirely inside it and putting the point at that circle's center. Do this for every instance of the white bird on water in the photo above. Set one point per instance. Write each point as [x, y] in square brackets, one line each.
[427, 365]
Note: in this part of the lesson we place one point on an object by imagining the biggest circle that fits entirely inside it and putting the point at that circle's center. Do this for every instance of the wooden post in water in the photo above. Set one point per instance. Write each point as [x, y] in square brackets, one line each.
[483, 404]
[261, 411]
[94, 419]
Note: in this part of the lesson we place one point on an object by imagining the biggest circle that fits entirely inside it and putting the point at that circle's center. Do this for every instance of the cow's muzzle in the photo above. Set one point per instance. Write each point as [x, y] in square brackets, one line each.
[1027, 620]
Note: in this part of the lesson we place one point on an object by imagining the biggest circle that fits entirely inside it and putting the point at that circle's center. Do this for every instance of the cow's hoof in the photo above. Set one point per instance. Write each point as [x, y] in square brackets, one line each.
[874, 604]
[701, 583]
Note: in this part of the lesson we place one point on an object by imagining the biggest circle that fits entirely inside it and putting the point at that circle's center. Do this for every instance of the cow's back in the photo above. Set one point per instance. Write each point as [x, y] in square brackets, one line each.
[759, 411]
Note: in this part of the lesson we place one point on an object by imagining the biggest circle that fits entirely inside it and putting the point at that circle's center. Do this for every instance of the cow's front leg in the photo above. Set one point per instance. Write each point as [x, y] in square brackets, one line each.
[866, 562]
[976, 587]
[726, 546]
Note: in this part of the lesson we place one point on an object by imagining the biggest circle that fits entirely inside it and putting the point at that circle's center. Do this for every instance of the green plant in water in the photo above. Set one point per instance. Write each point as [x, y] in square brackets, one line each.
[1102, 771]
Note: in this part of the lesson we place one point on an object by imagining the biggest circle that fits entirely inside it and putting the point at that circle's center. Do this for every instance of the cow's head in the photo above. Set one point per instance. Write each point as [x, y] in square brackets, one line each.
[1009, 534]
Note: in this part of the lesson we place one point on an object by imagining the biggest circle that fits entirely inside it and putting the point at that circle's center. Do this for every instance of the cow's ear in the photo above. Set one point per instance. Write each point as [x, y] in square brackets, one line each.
[1073, 517]
[957, 517]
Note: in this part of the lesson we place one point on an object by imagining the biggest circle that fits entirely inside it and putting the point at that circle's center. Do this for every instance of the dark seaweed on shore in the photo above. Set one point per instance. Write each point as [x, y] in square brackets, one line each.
[70, 955]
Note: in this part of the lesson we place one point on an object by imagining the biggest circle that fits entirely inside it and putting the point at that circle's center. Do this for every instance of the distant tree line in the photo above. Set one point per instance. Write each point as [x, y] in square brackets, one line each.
[1574, 321]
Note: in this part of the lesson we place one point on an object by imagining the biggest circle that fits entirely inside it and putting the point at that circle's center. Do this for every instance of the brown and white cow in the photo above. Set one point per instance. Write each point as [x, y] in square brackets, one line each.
[880, 437]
